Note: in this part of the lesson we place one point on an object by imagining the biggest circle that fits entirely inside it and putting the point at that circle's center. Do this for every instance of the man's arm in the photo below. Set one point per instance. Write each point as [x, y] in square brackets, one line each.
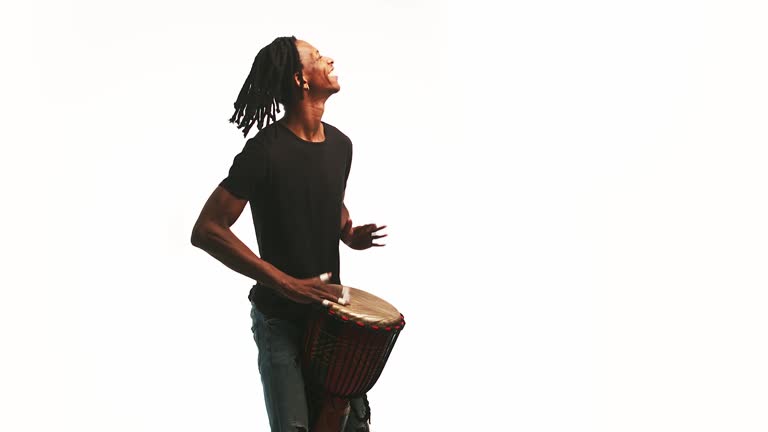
[359, 237]
[212, 234]
[344, 219]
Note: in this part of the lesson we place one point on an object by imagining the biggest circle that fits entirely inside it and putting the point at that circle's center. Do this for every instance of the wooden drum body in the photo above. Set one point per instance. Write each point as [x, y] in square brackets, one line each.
[346, 347]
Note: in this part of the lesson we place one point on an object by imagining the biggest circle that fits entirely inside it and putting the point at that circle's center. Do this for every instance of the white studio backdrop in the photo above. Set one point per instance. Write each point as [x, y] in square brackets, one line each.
[575, 194]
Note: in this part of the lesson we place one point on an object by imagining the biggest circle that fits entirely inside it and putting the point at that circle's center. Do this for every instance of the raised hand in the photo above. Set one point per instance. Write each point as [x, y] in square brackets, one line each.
[361, 237]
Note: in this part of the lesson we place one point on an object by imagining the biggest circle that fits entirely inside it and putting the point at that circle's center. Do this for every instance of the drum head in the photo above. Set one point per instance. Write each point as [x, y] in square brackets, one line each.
[367, 308]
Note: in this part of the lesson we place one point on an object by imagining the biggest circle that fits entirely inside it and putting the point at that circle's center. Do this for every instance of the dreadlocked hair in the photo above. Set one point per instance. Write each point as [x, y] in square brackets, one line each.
[269, 84]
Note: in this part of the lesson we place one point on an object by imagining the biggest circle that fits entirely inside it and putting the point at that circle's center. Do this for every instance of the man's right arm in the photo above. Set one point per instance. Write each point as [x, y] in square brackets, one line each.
[212, 234]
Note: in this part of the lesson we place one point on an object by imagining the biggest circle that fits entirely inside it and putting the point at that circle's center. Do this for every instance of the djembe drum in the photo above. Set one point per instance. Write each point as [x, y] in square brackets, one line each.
[347, 346]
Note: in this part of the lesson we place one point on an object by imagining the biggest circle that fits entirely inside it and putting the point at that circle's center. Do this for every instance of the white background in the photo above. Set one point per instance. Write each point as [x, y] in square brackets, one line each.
[575, 194]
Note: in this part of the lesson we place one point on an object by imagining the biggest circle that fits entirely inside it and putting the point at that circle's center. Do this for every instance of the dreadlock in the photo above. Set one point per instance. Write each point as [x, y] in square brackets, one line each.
[269, 84]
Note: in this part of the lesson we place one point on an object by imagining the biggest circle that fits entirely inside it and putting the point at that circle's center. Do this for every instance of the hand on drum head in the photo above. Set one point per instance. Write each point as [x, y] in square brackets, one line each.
[312, 290]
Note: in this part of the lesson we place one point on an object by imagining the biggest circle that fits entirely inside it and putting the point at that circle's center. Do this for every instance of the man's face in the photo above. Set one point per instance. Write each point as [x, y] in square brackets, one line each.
[317, 69]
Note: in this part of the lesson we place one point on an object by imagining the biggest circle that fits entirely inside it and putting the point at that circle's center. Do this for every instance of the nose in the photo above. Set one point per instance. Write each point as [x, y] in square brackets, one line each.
[330, 61]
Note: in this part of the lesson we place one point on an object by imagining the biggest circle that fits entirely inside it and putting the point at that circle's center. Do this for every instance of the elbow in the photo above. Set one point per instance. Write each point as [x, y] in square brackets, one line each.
[195, 240]
[198, 237]
[208, 234]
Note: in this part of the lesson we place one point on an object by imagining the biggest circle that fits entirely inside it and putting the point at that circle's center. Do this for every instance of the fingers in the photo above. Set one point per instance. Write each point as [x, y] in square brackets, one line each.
[325, 277]
[337, 296]
[313, 290]
[325, 292]
[322, 295]
[317, 289]
[369, 228]
[377, 237]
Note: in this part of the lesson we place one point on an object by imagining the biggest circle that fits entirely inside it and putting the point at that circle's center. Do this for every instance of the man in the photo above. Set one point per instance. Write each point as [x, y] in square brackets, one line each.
[294, 173]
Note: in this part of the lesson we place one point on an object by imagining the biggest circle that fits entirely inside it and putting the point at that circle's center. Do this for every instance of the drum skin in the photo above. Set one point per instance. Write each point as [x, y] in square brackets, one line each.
[346, 347]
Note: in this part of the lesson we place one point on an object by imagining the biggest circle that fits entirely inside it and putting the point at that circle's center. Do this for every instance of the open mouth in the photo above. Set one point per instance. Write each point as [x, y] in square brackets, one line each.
[332, 74]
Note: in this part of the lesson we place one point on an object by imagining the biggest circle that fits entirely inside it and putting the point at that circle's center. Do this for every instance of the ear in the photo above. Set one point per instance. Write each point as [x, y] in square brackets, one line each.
[298, 81]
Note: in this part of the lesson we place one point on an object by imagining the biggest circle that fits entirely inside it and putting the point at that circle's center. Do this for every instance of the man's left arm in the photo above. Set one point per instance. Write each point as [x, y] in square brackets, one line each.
[344, 217]
[359, 237]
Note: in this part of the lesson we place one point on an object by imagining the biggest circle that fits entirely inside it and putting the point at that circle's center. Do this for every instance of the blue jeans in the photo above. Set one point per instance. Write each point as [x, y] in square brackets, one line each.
[288, 405]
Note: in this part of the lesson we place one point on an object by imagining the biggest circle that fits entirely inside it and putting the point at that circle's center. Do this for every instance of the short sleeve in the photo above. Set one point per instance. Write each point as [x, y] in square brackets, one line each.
[248, 170]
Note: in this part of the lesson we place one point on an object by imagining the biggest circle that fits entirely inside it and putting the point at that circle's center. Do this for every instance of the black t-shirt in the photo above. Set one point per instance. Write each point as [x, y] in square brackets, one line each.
[295, 189]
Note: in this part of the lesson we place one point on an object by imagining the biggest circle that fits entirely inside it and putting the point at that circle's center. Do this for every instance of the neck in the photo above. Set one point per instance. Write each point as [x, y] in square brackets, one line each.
[304, 119]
